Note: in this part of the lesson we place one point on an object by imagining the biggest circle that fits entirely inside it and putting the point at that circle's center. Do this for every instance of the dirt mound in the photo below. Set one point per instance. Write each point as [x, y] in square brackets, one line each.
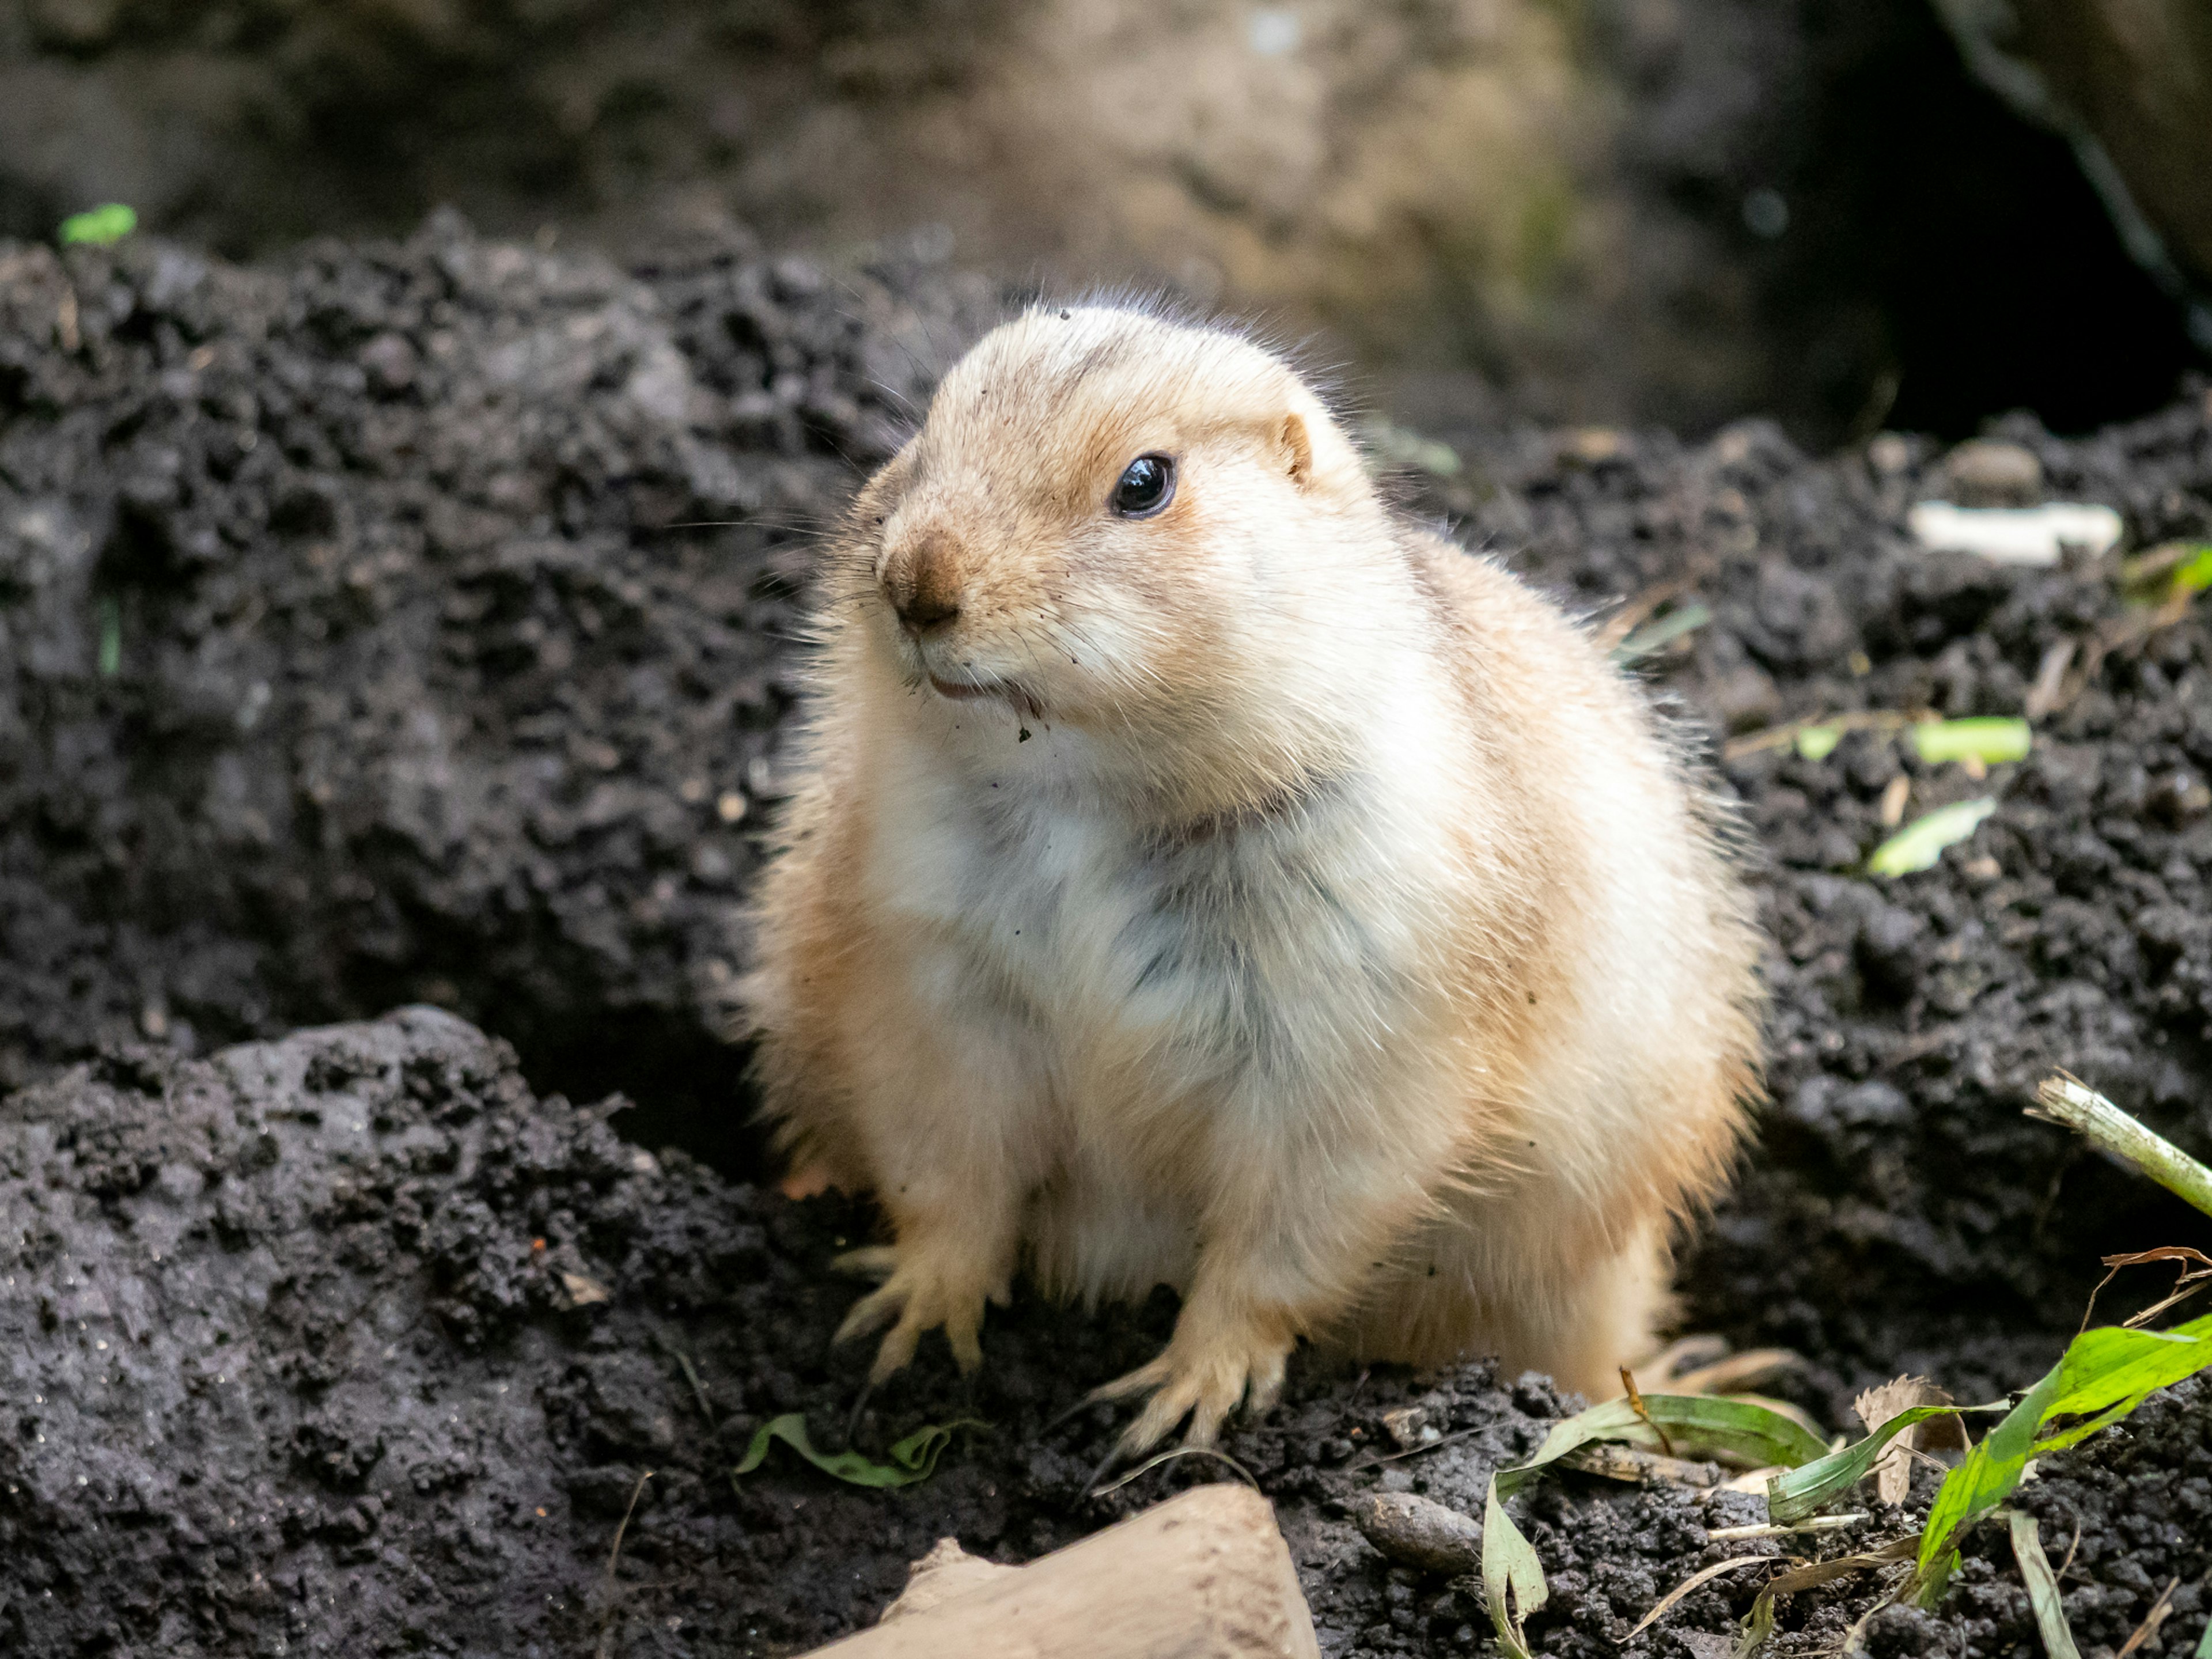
[349, 1344]
[406, 625]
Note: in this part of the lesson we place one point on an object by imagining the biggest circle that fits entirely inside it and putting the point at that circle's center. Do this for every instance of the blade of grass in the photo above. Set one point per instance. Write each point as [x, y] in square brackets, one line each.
[1513, 1582]
[2042, 1589]
[1920, 843]
[102, 227]
[1656, 636]
[1760, 1625]
[1989, 741]
[2067, 1101]
[2102, 1376]
[1805, 1491]
[1703, 1576]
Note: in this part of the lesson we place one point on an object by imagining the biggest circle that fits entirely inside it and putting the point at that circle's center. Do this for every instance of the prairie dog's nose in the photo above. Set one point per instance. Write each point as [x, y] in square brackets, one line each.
[922, 582]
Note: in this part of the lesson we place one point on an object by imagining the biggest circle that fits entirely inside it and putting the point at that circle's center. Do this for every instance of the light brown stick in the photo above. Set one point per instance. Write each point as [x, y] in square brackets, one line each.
[1203, 1575]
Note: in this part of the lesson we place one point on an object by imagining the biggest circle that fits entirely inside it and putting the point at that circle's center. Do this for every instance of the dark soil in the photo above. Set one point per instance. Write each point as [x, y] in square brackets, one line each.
[362, 644]
[355, 655]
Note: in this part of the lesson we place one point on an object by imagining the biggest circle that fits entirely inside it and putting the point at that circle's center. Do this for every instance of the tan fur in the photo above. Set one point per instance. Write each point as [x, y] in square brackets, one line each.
[1305, 915]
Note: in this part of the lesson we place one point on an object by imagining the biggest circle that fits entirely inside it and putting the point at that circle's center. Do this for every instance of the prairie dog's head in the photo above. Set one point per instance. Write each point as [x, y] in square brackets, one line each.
[1149, 532]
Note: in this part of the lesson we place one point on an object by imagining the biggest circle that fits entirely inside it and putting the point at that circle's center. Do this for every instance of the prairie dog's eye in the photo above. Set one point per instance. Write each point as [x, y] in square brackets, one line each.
[1146, 485]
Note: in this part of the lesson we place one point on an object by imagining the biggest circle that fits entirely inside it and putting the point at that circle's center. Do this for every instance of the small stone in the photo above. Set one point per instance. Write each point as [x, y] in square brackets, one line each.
[391, 363]
[1985, 473]
[1405, 1426]
[1419, 1532]
[1888, 455]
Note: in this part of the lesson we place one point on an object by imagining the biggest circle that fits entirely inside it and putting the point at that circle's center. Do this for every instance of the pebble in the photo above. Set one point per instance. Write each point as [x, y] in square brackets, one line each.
[1419, 1532]
[1987, 472]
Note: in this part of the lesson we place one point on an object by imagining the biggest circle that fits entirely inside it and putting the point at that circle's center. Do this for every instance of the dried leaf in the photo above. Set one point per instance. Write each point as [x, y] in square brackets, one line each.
[1703, 1576]
[1893, 1473]
[2042, 1589]
[582, 1291]
[2147, 1631]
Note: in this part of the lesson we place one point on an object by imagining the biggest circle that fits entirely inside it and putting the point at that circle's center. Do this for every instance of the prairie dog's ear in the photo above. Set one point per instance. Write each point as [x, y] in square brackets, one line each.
[1315, 453]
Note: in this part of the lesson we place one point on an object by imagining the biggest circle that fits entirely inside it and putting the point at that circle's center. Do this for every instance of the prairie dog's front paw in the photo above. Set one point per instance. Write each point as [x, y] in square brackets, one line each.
[1203, 1375]
[923, 1286]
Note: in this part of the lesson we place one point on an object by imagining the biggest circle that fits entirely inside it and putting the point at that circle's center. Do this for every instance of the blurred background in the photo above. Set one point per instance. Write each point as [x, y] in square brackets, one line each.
[1849, 214]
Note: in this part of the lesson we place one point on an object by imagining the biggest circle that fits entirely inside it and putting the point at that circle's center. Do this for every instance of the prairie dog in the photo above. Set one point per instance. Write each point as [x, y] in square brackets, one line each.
[1196, 874]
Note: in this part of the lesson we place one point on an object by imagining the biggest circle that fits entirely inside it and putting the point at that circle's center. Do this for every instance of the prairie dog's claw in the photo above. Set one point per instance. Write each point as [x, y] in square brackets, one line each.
[872, 1262]
[1204, 1383]
[918, 1292]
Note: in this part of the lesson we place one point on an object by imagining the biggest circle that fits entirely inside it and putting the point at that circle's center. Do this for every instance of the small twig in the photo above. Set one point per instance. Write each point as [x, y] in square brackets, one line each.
[2147, 1630]
[1636, 1404]
[614, 1554]
[1878, 720]
[2066, 1100]
[1440, 1441]
[1816, 1523]
[1169, 1456]
[1632, 613]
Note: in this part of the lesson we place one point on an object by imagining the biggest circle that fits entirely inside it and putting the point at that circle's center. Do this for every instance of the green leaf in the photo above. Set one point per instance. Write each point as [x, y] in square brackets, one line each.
[102, 227]
[1657, 635]
[2204, 1645]
[913, 1459]
[1920, 843]
[1806, 1490]
[2042, 1589]
[1695, 1425]
[2194, 575]
[1758, 1625]
[1987, 740]
[2102, 1376]
[1817, 743]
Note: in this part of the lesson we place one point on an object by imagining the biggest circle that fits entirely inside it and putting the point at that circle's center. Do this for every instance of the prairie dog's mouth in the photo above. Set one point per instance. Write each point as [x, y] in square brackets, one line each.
[1015, 697]
[955, 689]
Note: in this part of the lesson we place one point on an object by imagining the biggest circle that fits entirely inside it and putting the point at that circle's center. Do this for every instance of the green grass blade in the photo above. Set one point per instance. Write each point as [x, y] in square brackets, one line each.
[2103, 1376]
[101, 227]
[1758, 1625]
[1695, 1425]
[1657, 635]
[913, 1459]
[2062, 1101]
[1990, 741]
[1807, 1490]
[1817, 743]
[1919, 844]
[2042, 1589]
[2195, 575]
[1512, 1577]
